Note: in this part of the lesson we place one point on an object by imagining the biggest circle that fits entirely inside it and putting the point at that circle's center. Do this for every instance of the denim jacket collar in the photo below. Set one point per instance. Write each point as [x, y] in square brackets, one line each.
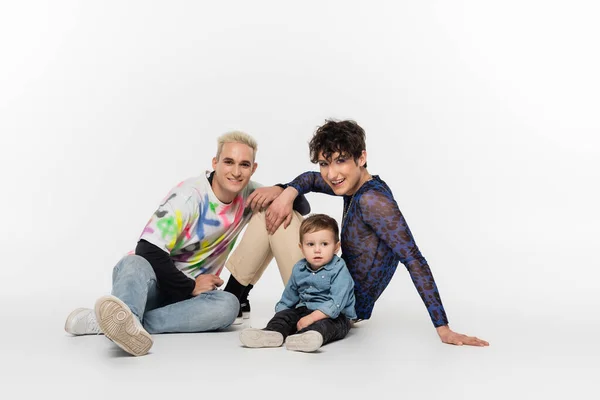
[328, 266]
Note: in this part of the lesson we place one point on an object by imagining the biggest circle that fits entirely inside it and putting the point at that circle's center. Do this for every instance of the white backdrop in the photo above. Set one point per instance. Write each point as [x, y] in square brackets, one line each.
[481, 116]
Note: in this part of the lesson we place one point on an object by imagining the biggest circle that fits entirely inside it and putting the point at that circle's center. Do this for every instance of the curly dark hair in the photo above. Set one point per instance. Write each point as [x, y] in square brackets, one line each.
[344, 137]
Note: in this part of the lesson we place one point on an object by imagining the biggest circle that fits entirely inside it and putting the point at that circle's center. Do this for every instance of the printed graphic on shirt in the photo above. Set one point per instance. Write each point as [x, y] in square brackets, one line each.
[195, 228]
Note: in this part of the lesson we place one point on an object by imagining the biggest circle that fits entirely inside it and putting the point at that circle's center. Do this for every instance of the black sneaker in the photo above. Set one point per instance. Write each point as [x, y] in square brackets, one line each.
[245, 310]
[243, 313]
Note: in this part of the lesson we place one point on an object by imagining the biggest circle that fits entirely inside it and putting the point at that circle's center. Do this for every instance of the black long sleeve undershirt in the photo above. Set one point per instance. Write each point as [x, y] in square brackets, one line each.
[172, 282]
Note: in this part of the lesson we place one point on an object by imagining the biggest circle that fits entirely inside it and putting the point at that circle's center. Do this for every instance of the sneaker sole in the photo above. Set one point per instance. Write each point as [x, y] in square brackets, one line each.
[306, 342]
[117, 322]
[256, 338]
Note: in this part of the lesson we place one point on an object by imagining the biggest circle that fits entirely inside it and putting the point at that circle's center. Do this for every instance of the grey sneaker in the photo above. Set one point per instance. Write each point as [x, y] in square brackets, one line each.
[253, 337]
[307, 342]
[82, 321]
[122, 327]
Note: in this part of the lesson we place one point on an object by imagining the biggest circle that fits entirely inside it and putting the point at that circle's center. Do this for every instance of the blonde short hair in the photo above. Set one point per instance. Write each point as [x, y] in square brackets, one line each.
[236, 137]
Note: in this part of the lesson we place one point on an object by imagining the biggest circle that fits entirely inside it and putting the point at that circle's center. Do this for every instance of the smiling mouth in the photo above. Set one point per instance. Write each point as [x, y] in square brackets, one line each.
[338, 182]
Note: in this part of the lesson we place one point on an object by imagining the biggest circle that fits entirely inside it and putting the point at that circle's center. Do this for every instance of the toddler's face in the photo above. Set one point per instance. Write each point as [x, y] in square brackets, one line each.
[319, 248]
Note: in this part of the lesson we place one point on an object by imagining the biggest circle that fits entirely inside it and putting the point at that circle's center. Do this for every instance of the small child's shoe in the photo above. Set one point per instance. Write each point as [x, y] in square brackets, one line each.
[307, 342]
[256, 338]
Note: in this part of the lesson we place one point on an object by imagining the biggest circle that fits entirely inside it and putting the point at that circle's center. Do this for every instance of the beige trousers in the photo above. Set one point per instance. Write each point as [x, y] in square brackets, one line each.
[257, 248]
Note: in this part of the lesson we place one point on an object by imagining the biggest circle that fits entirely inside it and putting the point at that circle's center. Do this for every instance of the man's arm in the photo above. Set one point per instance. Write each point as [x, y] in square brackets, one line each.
[380, 212]
[389, 225]
[262, 197]
[176, 285]
[311, 182]
[280, 209]
[163, 234]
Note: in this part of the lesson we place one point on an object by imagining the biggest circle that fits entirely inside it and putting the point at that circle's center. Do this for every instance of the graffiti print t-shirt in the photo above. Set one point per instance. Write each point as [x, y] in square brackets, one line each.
[195, 228]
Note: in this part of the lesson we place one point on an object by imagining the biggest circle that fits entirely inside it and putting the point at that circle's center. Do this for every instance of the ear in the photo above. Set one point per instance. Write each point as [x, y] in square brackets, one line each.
[362, 160]
[337, 247]
[254, 169]
[300, 246]
[214, 163]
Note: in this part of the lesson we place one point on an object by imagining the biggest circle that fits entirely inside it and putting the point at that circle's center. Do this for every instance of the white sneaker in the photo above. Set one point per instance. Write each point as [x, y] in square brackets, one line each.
[307, 342]
[82, 321]
[255, 338]
[122, 327]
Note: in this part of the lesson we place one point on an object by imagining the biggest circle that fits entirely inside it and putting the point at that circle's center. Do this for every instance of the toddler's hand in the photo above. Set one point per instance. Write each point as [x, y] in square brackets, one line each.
[304, 322]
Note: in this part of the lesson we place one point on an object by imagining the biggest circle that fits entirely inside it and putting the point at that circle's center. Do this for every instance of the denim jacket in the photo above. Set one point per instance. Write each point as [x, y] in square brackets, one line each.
[330, 289]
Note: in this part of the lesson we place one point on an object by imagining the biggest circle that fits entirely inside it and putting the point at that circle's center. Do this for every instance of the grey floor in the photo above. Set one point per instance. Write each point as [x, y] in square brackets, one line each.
[395, 354]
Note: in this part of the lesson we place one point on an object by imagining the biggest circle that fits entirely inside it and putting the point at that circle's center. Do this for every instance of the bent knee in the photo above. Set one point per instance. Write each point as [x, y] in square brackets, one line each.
[227, 307]
[133, 263]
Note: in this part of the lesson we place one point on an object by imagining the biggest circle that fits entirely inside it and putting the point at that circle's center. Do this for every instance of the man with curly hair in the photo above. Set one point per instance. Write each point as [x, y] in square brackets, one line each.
[375, 236]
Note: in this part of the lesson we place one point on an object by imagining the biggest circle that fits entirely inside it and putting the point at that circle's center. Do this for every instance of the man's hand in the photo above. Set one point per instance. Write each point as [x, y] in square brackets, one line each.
[262, 197]
[206, 283]
[280, 210]
[450, 337]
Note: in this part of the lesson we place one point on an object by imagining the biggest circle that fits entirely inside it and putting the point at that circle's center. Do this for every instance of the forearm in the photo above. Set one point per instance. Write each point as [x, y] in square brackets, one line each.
[310, 182]
[173, 282]
[425, 284]
[289, 194]
[301, 204]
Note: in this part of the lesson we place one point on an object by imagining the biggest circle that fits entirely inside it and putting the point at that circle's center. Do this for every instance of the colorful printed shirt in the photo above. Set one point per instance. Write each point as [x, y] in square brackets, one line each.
[375, 237]
[195, 228]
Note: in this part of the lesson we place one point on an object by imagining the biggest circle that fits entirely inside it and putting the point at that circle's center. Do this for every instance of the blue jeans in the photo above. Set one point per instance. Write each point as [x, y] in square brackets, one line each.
[134, 283]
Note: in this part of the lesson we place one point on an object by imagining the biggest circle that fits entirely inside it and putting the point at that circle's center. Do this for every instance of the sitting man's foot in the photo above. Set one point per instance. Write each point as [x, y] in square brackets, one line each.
[82, 321]
[245, 308]
[118, 323]
[255, 338]
[307, 342]
[243, 314]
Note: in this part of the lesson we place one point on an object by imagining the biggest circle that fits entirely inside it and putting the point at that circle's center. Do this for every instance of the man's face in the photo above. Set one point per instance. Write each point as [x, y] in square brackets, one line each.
[341, 172]
[319, 247]
[233, 170]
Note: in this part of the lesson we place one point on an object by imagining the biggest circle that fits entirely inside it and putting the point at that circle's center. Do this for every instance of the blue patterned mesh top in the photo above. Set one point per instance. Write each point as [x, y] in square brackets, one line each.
[375, 237]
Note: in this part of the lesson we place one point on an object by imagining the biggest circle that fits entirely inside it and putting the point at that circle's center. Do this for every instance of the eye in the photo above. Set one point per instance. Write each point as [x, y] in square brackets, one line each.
[228, 162]
[322, 164]
[246, 165]
[340, 160]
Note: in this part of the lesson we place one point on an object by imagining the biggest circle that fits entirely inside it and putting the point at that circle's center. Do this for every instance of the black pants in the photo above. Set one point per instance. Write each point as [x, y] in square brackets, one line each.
[285, 322]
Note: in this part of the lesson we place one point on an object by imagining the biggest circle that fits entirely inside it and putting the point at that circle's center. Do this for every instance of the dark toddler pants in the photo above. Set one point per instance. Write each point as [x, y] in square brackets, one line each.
[285, 322]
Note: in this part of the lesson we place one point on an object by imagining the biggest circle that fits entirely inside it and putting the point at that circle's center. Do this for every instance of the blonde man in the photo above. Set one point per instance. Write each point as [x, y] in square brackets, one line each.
[169, 283]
